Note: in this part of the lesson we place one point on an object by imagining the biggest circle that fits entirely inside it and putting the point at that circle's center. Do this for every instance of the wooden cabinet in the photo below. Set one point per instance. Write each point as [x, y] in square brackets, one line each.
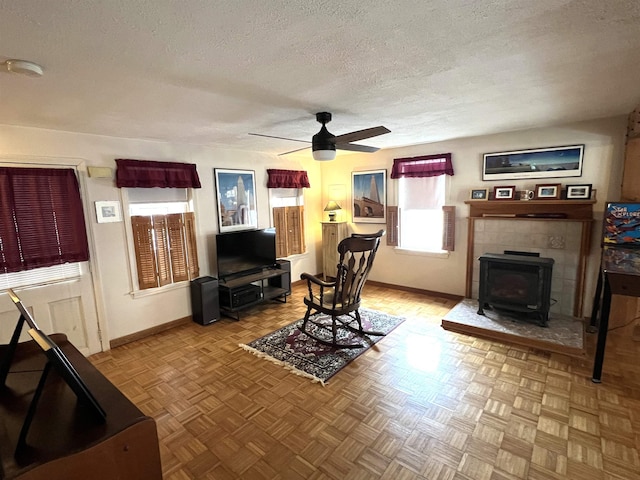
[332, 234]
[631, 172]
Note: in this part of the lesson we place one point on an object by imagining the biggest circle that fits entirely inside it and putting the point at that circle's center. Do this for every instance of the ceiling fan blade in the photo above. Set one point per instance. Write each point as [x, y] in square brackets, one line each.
[354, 147]
[292, 151]
[361, 134]
[280, 138]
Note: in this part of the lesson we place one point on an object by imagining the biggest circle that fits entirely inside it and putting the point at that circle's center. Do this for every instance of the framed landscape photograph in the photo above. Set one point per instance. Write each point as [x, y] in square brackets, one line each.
[504, 193]
[548, 191]
[553, 162]
[579, 192]
[236, 199]
[108, 211]
[479, 194]
[369, 196]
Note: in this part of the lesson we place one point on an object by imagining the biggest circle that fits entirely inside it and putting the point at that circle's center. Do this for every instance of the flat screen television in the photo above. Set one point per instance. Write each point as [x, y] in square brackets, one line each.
[245, 252]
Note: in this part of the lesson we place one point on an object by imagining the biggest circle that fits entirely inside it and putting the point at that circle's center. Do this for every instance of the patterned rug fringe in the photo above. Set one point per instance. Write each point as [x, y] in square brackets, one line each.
[292, 369]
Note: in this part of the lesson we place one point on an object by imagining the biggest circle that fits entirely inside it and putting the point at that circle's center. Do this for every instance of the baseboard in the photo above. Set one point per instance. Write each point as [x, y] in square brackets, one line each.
[402, 288]
[116, 342]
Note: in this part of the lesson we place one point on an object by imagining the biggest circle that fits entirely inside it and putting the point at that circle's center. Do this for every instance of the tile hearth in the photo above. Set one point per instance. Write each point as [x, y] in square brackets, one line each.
[565, 334]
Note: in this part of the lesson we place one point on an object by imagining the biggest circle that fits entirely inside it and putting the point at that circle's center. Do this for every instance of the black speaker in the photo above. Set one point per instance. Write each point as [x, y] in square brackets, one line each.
[205, 304]
[284, 280]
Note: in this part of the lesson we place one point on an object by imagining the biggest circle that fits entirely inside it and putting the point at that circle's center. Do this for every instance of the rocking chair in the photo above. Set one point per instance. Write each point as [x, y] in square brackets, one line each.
[341, 298]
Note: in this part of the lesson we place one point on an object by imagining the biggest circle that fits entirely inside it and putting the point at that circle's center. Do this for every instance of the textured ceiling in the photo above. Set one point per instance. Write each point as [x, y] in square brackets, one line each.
[209, 72]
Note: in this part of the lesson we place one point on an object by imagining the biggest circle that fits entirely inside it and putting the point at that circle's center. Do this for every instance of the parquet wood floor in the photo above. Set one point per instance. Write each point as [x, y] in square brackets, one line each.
[423, 403]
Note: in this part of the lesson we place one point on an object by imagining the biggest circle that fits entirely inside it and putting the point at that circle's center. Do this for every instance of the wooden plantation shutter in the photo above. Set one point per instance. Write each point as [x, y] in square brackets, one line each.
[449, 228]
[280, 222]
[160, 228]
[392, 226]
[192, 251]
[165, 247]
[145, 256]
[289, 223]
[177, 248]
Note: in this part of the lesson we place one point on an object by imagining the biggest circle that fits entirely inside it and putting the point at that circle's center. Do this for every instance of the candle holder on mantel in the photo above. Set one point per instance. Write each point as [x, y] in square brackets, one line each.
[331, 207]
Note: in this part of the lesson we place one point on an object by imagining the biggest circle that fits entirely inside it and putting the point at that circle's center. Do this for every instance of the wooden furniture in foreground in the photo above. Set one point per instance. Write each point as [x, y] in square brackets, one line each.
[619, 275]
[332, 234]
[342, 296]
[64, 441]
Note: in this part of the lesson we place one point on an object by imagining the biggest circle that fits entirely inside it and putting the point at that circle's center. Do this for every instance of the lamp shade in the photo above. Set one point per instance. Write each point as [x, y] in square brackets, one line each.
[324, 155]
[331, 206]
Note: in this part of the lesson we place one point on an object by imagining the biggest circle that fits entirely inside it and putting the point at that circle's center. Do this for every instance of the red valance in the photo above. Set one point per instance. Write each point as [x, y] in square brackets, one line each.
[287, 179]
[41, 219]
[423, 166]
[150, 174]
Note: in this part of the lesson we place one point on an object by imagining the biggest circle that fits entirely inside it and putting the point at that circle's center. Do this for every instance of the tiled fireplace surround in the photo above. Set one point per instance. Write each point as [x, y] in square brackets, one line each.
[494, 228]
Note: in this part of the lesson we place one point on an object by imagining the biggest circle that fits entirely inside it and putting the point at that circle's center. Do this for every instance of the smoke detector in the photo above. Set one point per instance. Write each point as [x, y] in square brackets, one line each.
[24, 67]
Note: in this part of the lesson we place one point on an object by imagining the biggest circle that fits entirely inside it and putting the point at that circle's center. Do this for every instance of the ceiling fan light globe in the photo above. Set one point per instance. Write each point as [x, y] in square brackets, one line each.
[324, 155]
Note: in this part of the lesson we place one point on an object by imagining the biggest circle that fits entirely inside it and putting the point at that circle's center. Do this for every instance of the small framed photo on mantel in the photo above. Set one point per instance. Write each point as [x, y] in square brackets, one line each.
[550, 191]
[504, 193]
[479, 194]
[579, 192]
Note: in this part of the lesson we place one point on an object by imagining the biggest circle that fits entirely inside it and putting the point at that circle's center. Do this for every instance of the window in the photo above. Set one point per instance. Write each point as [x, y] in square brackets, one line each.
[288, 218]
[164, 238]
[287, 207]
[42, 231]
[422, 221]
[162, 219]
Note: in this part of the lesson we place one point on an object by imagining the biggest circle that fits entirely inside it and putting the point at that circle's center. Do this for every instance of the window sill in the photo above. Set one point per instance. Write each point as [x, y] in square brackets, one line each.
[294, 256]
[155, 291]
[420, 253]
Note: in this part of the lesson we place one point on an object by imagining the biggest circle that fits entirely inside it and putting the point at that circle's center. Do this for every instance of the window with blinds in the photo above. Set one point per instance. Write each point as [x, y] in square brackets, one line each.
[165, 249]
[421, 222]
[42, 230]
[289, 223]
[288, 218]
[164, 236]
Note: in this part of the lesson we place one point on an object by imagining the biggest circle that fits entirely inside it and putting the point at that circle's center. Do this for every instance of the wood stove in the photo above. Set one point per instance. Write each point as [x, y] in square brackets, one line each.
[516, 283]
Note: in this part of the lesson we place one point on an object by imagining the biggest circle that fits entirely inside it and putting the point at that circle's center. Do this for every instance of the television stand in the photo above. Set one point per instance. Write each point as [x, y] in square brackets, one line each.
[241, 292]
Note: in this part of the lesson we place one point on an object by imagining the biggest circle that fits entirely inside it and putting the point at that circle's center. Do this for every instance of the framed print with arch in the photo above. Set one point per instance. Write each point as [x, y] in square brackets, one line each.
[369, 196]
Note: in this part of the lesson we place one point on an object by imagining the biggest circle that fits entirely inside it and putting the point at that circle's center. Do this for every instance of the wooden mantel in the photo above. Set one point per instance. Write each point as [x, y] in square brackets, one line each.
[535, 210]
[571, 209]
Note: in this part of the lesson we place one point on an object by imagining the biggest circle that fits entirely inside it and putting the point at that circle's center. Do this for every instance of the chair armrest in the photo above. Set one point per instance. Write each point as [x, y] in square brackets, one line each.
[313, 279]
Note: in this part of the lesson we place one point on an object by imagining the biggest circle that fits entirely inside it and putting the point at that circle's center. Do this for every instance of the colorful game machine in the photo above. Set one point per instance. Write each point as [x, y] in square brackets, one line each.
[621, 236]
[619, 270]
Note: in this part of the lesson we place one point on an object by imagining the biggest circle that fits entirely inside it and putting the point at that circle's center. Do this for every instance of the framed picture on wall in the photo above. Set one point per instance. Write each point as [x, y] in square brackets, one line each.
[108, 211]
[553, 162]
[236, 199]
[369, 196]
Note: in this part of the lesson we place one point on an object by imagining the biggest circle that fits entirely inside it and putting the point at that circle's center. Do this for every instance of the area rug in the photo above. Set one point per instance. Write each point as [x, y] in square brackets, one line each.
[306, 357]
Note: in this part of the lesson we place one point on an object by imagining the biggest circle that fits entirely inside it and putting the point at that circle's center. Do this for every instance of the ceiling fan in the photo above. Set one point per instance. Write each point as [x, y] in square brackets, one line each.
[324, 143]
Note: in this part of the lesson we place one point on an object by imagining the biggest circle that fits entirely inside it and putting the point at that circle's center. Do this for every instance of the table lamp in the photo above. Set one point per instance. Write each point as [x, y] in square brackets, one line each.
[331, 207]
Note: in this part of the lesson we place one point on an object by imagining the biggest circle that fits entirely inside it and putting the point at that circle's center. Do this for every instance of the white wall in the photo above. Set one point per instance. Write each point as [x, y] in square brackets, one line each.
[603, 160]
[122, 314]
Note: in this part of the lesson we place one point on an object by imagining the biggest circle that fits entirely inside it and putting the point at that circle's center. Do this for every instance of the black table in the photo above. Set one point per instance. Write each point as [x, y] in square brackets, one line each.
[619, 275]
